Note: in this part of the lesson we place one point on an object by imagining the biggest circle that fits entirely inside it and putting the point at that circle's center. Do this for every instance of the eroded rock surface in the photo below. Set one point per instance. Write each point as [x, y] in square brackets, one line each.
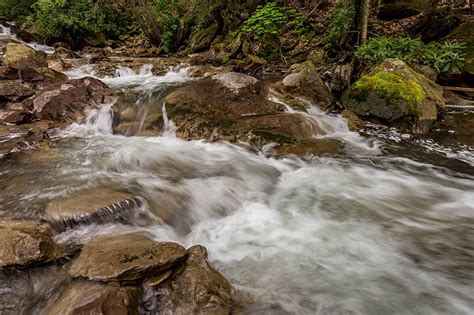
[96, 298]
[197, 289]
[125, 258]
[24, 243]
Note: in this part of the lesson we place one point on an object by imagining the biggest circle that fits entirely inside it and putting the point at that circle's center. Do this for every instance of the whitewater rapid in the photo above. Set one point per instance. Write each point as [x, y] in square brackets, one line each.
[363, 232]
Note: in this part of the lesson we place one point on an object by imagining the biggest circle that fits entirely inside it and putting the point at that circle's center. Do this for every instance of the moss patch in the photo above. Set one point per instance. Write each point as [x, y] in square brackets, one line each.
[393, 87]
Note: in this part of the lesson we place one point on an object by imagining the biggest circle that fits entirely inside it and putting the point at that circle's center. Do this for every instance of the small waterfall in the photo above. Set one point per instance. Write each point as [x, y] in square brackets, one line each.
[169, 129]
[98, 122]
[5, 31]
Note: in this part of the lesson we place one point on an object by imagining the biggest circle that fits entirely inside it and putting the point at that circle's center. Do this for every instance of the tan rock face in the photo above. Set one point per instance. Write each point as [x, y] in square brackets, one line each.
[126, 258]
[95, 298]
[304, 81]
[19, 56]
[24, 243]
[87, 202]
[198, 289]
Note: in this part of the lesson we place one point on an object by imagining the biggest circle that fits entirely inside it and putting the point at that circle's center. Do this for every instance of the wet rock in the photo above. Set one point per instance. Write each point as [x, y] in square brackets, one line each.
[14, 90]
[91, 205]
[305, 81]
[126, 258]
[95, 298]
[396, 95]
[280, 128]
[65, 102]
[316, 147]
[19, 56]
[15, 117]
[23, 243]
[7, 73]
[354, 123]
[197, 289]
[65, 53]
[221, 97]
[396, 9]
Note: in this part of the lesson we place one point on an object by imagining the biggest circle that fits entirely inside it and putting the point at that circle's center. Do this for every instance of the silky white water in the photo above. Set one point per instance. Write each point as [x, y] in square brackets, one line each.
[364, 232]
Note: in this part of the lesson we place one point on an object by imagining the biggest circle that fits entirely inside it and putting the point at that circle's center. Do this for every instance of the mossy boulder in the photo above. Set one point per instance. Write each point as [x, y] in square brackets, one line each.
[396, 9]
[19, 56]
[202, 39]
[395, 94]
[464, 33]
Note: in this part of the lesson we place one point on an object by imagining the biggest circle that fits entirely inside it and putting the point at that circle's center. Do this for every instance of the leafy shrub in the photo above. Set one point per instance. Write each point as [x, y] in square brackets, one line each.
[54, 18]
[272, 19]
[446, 57]
[340, 22]
[16, 9]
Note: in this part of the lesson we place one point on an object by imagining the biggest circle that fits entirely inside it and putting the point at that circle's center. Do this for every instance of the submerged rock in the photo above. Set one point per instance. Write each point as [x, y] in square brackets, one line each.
[396, 94]
[197, 289]
[19, 56]
[96, 298]
[23, 243]
[126, 258]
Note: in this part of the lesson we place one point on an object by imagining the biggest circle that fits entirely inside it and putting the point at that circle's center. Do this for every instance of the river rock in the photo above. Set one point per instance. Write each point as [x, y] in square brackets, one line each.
[197, 289]
[396, 9]
[126, 258]
[396, 94]
[24, 243]
[305, 81]
[19, 56]
[91, 205]
[14, 90]
[7, 73]
[96, 298]
[65, 102]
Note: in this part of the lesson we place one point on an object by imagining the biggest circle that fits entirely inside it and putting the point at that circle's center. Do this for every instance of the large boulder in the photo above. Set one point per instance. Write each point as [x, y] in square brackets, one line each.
[23, 243]
[304, 81]
[197, 289]
[96, 298]
[202, 39]
[397, 9]
[126, 258]
[396, 94]
[19, 56]
[65, 102]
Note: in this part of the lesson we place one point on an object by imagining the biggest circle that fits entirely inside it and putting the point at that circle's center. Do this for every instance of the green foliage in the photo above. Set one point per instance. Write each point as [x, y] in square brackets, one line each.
[393, 87]
[75, 17]
[271, 19]
[167, 13]
[446, 57]
[17, 10]
[340, 23]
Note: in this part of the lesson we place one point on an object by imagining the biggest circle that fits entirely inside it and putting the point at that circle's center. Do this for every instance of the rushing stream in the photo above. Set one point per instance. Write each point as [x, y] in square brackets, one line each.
[384, 228]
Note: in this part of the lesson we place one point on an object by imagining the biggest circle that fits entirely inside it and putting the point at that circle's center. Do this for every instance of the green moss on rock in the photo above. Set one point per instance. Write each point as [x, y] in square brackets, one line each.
[396, 94]
[394, 88]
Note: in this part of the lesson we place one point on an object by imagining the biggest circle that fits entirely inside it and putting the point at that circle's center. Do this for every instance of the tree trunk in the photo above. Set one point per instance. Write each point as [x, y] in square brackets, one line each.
[364, 21]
